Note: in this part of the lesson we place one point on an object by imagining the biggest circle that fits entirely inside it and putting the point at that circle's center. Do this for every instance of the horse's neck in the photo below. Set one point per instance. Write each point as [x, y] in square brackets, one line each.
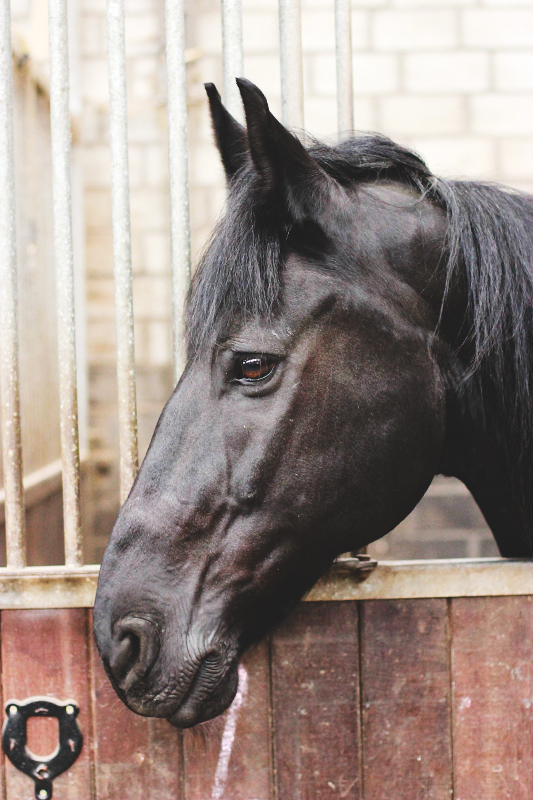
[477, 453]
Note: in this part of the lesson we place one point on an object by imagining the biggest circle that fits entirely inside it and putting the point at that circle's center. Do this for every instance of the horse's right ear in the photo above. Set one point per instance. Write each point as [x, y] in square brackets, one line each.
[230, 135]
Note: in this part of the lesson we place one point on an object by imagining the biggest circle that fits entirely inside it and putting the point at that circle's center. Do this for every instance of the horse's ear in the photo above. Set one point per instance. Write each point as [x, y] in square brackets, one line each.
[230, 135]
[282, 161]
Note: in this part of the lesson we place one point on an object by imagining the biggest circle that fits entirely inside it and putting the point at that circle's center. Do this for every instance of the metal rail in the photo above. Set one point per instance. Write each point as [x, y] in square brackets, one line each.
[232, 55]
[343, 52]
[120, 198]
[179, 176]
[64, 263]
[9, 345]
[62, 587]
[292, 81]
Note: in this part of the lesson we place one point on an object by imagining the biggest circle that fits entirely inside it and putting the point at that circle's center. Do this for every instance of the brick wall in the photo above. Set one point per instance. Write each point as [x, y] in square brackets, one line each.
[451, 78]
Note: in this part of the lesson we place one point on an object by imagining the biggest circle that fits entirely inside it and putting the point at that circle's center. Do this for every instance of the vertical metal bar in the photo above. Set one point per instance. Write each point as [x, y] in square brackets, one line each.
[127, 403]
[232, 55]
[292, 83]
[9, 369]
[343, 46]
[179, 176]
[64, 261]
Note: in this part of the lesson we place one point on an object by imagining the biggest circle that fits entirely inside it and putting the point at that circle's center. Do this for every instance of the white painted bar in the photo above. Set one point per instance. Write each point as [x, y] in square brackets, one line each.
[9, 344]
[179, 176]
[454, 577]
[343, 53]
[292, 83]
[64, 262]
[63, 587]
[232, 56]
[48, 587]
[120, 197]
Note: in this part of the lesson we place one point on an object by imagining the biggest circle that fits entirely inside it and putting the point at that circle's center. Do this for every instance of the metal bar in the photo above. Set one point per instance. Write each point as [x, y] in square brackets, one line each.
[127, 404]
[290, 38]
[343, 50]
[232, 55]
[64, 262]
[63, 587]
[48, 587]
[454, 577]
[179, 176]
[9, 367]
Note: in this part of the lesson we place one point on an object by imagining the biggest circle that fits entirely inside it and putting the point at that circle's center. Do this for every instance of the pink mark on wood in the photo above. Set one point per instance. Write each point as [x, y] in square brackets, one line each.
[228, 737]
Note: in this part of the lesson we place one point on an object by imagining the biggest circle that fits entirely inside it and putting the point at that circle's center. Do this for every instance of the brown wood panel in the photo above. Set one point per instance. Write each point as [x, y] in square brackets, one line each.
[492, 668]
[315, 690]
[230, 758]
[406, 700]
[137, 758]
[44, 652]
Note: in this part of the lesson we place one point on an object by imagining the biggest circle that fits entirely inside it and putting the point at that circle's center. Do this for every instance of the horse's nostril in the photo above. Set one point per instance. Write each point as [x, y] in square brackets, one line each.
[134, 650]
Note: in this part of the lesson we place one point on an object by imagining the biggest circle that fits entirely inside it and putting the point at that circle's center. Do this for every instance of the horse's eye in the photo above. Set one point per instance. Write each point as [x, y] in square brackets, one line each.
[255, 368]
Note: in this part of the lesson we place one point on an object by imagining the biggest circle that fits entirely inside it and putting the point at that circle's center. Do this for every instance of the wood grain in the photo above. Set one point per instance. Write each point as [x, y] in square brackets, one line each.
[134, 757]
[492, 665]
[247, 754]
[315, 688]
[44, 652]
[406, 700]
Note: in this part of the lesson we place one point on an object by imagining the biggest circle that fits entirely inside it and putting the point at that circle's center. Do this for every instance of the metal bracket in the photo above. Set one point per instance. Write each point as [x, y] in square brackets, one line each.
[14, 737]
[359, 566]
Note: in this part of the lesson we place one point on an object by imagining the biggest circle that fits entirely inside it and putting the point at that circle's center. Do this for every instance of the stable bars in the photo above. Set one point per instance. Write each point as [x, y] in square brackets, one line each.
[290, 50]
[292, 115]
[232, 55]
[9, 368]
[64, 264]
[179, 177]
[120, 199]
[343, 52]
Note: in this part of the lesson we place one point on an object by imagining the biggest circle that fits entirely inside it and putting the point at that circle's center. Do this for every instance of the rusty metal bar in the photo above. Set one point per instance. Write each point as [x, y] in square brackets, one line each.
[127, 403]
[9, 344]
[179, 176]
[290, 38]
[64, 263]
[343, 52]
[232, 55]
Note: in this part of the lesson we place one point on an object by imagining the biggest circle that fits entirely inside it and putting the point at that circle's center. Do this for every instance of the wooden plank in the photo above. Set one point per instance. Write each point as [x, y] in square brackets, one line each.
[315, 692]
[137, 758]
[406, 700]
[44, 652]
[231, 757]
[492, 667]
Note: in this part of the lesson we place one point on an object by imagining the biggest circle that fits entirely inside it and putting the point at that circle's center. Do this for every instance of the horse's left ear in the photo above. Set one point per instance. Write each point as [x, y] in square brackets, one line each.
[285, 166]
[230, 135]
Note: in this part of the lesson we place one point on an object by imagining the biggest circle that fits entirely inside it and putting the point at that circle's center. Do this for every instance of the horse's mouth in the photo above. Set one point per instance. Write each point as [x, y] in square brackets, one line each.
[205, 699]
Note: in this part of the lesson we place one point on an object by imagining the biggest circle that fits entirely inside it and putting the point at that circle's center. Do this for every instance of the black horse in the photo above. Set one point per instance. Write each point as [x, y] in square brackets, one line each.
[356, 326]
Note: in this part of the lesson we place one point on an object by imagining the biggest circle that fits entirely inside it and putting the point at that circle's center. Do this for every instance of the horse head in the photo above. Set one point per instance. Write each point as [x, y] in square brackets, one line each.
[309, 420]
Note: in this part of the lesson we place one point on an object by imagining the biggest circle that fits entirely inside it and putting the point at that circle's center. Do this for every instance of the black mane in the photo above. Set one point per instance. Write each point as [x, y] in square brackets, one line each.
[489, 238]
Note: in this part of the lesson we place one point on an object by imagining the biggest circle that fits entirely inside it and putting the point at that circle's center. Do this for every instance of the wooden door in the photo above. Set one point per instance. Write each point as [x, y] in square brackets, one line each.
[421, 699]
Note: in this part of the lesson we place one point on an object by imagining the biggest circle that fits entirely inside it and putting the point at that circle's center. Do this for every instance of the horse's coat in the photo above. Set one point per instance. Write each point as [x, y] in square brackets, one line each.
[356, 326]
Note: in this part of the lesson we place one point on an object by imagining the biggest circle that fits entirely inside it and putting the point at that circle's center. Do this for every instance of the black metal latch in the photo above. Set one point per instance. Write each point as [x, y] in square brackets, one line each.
[14, 737]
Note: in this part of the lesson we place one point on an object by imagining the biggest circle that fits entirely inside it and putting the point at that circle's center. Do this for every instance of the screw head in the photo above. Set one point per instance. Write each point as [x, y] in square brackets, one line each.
[69, 709]
[13, 710]
[43, 794]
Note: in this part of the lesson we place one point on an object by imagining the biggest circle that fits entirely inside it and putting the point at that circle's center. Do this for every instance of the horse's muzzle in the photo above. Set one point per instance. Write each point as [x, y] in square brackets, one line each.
[210, 693]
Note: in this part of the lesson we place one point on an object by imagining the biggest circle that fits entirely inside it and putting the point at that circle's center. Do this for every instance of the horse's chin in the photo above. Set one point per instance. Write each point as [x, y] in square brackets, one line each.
[197, 706]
